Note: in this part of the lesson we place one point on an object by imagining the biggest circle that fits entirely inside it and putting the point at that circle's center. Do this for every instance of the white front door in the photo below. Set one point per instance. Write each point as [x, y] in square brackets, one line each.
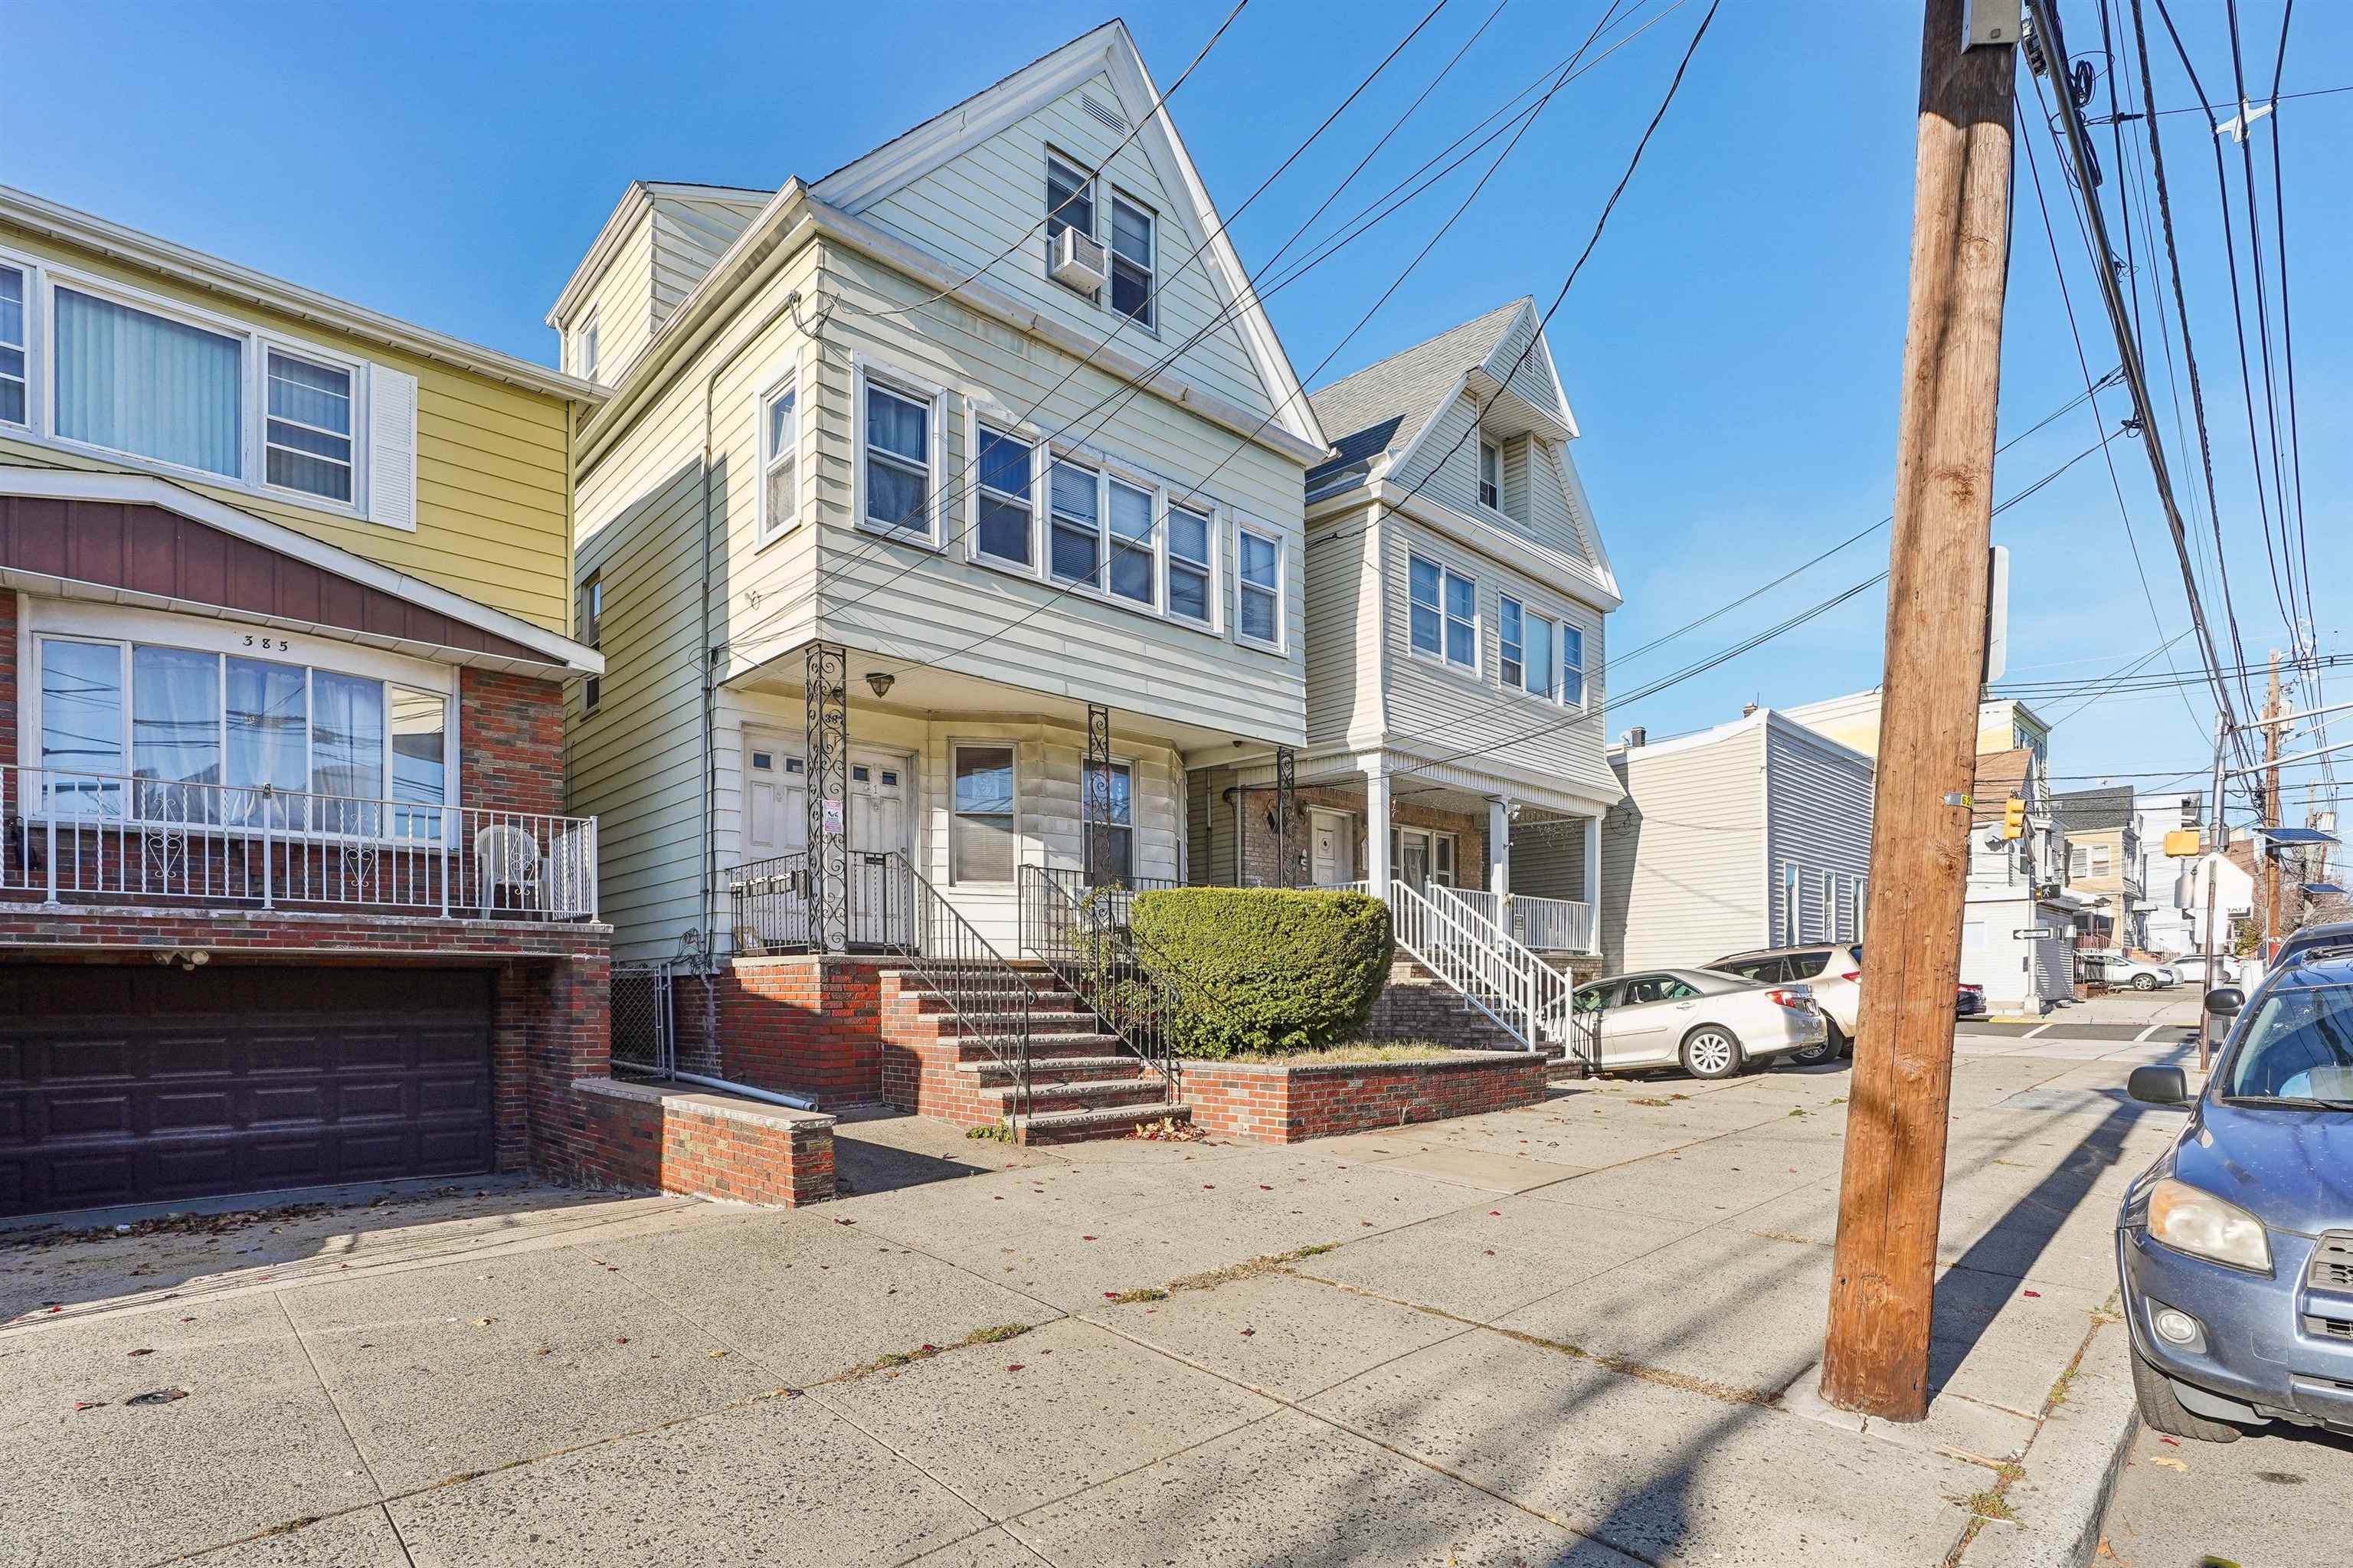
[775, 797]
[878, 902]
[1332, 857]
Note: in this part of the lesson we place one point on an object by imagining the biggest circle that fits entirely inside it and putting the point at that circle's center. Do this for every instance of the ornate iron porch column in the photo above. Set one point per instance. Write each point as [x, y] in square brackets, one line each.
[1286, 779]
[826, 681]
[1094, 796]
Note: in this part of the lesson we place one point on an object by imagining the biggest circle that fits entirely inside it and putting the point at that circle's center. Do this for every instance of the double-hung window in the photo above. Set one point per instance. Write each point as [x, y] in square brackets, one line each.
[1572, 666]
[135, 382]
[1258, 610]
[1444, 613]
[1070, 201]
[591, 617]
[1002, 529]
[780, 468]
[1526, 644]
[1132, 232]
[1511, 640]
[15, 387]
[1189, 570]
[584, 349]
[1077, 510]
[214, 738]
[1132, 551]
[1118, 829]
[307, 437]
[1491, 476]
[981, 838]
[898, 459]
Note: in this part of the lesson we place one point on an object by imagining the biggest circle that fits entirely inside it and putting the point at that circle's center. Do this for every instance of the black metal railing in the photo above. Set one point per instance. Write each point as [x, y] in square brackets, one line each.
[1084, 935]
[770, 904]
[990, 999]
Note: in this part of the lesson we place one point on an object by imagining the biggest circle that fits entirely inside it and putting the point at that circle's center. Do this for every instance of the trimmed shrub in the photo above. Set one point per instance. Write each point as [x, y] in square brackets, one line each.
[1267, 968]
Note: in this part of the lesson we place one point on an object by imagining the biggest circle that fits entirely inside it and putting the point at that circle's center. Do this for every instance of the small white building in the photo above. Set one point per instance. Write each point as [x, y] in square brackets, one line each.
[2016, 932]
[1755, 833]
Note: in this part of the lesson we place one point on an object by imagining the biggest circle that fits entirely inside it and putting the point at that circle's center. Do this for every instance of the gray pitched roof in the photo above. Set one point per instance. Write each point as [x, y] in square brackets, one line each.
[1384, 405]
[2087, 810]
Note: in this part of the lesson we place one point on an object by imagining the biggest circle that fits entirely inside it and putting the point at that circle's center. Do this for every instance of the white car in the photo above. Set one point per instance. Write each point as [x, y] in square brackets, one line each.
[1831, 971]
[1709, 1022]
[2139, 973]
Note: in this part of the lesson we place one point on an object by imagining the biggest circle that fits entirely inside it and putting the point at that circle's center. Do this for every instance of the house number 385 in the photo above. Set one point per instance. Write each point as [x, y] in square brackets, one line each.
[255, 640]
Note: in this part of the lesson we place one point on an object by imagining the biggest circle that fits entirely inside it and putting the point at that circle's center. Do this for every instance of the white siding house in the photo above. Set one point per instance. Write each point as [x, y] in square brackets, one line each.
[2016, 931]
[1756, 833]
[862, 413]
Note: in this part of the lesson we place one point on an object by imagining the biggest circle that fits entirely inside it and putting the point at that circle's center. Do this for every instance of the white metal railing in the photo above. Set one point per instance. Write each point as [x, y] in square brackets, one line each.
[1546, 925]
[1527, 996]
[1363, 887]
[117, 837]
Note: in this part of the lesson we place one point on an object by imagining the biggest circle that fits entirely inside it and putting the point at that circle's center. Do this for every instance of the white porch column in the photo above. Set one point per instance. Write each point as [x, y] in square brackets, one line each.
[1499, 846]
[1378, 869]
[1592, 898]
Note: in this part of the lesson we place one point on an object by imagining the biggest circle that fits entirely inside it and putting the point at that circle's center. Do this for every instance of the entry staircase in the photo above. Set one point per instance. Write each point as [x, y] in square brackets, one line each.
[1454, 937]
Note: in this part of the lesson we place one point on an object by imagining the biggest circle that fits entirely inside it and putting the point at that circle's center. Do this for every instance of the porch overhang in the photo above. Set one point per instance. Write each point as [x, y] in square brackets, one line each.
[925, 692]
[136, 540]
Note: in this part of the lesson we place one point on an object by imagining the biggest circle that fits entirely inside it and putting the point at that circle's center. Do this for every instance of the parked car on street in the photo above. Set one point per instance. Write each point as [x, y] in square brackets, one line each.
[2119, 972]
[2335, 938]
[2235, 1248]
[1832, 972]
[2192, 968]
[1710, 1023]
[1968, 1001]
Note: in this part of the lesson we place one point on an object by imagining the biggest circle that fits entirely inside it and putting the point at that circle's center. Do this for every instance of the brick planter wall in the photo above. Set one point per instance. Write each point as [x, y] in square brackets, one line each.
[702, 1144]
[803, 1025]
[1274, 1102]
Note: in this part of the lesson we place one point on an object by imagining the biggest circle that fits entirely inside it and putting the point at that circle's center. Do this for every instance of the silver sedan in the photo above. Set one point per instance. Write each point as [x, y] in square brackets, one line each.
[1708, 1023]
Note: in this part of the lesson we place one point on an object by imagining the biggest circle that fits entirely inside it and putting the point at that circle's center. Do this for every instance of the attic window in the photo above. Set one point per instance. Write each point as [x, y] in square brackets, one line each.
[1491, 476]
[1070, 201]
[584, 349]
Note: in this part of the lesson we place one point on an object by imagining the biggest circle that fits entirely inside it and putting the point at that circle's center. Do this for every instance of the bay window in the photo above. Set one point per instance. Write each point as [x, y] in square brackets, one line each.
[898, 459]
[1258, 610]
[1118, 828]
[1189, 572]
[1002, 530]
[213, 737]
[981, 838]
[16, 388]
[135, 382]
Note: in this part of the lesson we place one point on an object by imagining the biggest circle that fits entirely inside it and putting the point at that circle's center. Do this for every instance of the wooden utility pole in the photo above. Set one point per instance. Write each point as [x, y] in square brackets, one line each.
[1875, 1356]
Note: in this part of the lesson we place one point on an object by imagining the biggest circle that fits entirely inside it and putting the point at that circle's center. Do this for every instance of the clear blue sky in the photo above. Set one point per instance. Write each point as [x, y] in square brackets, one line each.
[1732, 351]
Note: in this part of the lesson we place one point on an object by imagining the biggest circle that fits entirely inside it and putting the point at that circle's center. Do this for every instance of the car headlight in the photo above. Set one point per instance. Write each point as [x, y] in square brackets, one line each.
[2192, 1219]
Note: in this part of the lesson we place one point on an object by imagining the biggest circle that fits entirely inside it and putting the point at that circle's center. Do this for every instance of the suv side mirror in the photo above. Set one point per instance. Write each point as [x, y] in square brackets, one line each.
[2157, 1085]
[2225, 1001]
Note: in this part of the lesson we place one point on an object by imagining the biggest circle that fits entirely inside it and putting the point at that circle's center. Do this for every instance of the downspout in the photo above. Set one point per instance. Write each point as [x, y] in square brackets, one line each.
[708, 654]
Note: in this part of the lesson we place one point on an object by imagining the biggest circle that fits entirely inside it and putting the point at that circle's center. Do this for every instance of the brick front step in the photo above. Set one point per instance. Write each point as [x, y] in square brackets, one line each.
[1109, 1121]
[1078, 1095]
[1057, 1069]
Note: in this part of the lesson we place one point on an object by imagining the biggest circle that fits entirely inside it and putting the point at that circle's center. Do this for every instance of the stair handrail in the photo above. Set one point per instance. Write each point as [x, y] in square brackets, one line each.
[1551, 994]
[990, 999]
[1449, 947]
[1131, 985]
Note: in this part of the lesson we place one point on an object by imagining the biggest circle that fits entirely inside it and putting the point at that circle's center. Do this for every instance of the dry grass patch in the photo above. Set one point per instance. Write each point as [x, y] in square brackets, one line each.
[1356, 1051]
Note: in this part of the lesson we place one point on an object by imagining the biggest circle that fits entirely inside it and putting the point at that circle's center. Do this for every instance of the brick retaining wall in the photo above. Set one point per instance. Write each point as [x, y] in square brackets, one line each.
[1275, 1102]
[703, 1144]
[803, 1024]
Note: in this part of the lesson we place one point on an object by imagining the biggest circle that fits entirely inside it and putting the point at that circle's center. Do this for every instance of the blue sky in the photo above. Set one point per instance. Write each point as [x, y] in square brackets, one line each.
[1732, 350]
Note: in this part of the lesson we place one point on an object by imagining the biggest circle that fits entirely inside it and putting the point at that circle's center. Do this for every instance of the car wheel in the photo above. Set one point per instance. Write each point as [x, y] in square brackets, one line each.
[1834, 1044]
[1711, 1051]
[2163, 1410]
[2143, 982]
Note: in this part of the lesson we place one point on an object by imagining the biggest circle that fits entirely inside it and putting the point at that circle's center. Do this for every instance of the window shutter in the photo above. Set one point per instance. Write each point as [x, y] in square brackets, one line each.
[392, 447]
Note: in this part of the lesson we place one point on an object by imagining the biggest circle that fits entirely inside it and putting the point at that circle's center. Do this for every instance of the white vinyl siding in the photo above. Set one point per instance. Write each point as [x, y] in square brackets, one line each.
[1683, 871]
[1819, 798]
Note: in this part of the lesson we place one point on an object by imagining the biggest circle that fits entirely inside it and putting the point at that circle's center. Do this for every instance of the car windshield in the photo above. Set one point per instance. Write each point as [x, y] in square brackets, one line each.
[2298, 1046]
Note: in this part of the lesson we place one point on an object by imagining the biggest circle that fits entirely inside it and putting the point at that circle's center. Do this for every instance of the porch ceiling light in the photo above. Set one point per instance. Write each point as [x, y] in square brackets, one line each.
[881, 681]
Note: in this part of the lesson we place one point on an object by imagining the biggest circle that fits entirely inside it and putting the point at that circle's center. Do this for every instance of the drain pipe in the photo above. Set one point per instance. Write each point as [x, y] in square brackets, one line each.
[795, 1102]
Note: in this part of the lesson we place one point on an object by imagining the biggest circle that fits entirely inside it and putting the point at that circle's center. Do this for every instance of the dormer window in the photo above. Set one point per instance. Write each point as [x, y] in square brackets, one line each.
[1491, 476]
[584, 349]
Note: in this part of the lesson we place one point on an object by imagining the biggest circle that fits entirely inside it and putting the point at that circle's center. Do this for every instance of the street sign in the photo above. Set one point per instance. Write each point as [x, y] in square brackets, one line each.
[2034, 933]
[2183, 844]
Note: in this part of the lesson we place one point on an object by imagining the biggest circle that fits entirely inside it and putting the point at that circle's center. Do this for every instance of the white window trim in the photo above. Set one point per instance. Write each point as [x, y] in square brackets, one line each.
[1149, 322]
[1106, 466]
[1282, 586]
[357, 435]
[765, 529]
[1562, 626]
[915, 389]
[1093, 230]
[959, 744]
[28, 288]
[1479, 480]
[44, 277]
[1477, 668]
[121, 627]
[586, 347]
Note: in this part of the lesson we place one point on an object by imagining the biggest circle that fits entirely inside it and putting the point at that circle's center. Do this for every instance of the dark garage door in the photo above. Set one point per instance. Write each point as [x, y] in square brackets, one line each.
[122, 1084]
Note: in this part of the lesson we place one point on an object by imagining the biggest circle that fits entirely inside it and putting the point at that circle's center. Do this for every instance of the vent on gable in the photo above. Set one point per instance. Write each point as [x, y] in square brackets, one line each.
[1087, 101]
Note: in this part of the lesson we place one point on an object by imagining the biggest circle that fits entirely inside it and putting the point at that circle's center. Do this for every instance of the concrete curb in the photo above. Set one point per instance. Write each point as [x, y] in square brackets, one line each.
[2070, 1467]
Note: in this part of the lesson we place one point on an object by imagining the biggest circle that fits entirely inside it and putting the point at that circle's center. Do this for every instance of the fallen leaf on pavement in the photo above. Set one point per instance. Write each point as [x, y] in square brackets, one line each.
[89, 1404]
[2170, 1462]
[142, 1353]
[2036, 1294]
[1015, 1367]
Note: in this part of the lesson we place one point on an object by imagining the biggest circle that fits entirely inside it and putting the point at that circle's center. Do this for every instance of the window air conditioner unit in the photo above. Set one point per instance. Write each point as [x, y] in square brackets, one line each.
[1078, 262]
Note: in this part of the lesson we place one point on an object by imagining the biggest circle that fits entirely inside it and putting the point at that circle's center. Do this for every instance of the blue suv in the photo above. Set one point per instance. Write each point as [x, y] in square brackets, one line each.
[2235, 1248]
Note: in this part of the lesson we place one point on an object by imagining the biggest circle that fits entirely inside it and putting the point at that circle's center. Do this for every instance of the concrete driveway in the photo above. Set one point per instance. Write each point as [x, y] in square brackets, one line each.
[1580, 1333]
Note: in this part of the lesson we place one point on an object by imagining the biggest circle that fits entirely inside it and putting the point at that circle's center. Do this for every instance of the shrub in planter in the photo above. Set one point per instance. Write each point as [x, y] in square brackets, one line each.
[1267, 968]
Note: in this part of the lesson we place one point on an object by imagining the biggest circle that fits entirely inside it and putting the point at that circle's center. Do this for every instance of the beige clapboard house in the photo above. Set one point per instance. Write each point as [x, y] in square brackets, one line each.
[986, 417]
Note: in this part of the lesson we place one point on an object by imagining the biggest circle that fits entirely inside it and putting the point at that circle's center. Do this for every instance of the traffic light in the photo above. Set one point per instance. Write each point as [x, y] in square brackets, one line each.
[2183, 844]
[2013, 818]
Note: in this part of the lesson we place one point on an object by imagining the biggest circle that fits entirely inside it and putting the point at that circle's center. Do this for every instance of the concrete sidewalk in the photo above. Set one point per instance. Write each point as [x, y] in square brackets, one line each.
[1581, 1333]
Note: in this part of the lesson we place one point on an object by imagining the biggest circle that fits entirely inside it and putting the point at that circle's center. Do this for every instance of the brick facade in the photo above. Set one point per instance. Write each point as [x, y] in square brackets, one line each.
[509, 742]
[802, 1025]
[705, 1145]
[1274, 1102]
[1262, 850]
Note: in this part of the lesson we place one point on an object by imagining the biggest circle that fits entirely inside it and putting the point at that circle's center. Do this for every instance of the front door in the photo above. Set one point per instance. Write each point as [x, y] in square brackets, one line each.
[771, 905]
[1333, 855]
[880, 910]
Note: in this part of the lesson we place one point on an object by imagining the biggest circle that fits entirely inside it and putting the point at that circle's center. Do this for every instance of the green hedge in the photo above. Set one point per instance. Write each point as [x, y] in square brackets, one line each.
[1268, 970]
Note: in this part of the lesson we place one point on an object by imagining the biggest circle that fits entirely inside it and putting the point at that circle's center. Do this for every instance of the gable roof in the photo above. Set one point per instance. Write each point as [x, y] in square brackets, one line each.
[1110, 50]
[2090, 810]
[636, 198]
[1401, 395]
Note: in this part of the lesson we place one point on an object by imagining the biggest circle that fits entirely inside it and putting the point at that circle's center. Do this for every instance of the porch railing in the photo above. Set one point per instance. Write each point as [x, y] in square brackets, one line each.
[1527, 996]
[1546, 925]
[991, 1000]
[768, 902]
[1084, 935]
[120, 838]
